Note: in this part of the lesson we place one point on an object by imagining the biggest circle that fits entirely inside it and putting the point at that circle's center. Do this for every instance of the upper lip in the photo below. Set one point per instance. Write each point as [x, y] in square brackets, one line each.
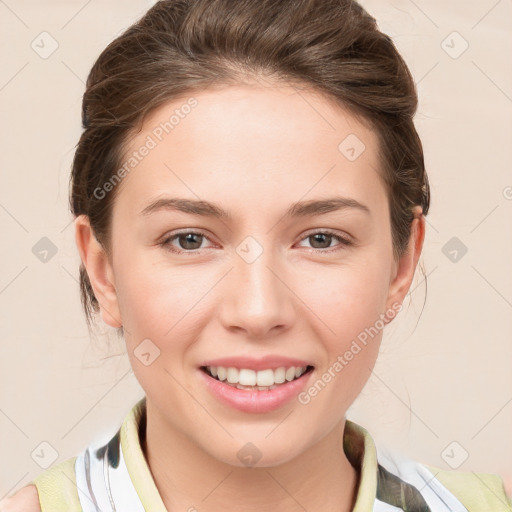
[262, 363]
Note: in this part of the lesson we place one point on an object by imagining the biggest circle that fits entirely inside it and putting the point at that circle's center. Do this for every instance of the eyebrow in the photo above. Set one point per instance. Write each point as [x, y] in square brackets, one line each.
[300, 209]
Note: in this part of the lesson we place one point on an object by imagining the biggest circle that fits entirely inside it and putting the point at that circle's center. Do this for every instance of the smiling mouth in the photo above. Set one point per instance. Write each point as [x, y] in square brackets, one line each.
[256, 380]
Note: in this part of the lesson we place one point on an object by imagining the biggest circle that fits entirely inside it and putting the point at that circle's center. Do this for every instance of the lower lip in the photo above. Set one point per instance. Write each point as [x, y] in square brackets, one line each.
[255, 401]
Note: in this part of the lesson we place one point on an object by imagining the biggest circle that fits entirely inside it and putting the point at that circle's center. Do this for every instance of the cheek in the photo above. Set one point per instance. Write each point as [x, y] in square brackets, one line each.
[152, 296]
[350, 307]
[160, 322]
[349, 302]
[163, 313]
[347, 298]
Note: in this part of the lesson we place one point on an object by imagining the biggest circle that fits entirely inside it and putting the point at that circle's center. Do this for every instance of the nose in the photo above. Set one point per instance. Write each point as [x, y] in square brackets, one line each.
[257, 301]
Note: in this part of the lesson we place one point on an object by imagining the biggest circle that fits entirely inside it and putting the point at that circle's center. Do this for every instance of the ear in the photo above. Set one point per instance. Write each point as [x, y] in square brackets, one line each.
[99, 270]
[404, 269]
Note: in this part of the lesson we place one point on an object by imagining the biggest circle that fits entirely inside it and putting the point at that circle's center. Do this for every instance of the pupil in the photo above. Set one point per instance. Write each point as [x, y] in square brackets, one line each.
[188, 239]
[318, 238]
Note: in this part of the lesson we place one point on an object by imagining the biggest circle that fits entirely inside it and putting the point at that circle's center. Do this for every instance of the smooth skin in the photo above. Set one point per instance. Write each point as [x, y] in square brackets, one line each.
[25, 500]
[253, 150]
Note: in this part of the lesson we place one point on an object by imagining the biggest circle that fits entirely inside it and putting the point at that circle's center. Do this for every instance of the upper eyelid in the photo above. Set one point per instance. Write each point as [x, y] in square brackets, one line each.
[313, 231]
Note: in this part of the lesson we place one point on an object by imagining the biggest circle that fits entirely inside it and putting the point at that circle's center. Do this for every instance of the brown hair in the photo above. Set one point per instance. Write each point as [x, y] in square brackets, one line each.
[180, 46]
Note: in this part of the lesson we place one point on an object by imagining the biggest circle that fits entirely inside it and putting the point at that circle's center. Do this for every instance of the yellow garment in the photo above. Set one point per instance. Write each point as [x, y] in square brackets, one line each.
[478, 492]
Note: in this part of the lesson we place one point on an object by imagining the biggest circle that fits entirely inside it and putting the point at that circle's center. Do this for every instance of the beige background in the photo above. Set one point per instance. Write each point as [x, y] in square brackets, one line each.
[444, 373]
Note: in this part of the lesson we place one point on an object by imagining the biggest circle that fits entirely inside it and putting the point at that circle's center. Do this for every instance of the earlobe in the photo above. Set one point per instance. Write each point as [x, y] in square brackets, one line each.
[405, 268]
[99, 270]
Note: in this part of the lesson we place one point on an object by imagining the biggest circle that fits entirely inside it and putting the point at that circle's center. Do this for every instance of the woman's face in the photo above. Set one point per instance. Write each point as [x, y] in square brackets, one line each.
[256, 282]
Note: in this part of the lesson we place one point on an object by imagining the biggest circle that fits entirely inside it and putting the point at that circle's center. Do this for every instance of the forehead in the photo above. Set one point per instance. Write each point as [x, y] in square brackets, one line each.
[254, 145]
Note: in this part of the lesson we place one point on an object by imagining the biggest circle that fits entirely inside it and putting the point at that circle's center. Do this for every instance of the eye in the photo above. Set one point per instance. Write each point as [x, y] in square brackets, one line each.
[187, 241]
[191, 241]
[324, 238]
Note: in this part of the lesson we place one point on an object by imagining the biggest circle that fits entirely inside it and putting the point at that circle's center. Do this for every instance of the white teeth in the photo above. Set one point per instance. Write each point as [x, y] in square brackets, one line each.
[279, 375]
[248, 378]
[221, 372]
[232, 375]
[265, 379]
[290, 373]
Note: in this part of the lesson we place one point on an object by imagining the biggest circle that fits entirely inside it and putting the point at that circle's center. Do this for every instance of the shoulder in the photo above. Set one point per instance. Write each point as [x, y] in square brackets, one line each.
[446, 490]
[56, 487]
[478, 491]
[25, 500]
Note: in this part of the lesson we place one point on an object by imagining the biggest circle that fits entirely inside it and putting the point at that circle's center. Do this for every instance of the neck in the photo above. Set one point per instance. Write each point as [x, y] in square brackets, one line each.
[321, 479]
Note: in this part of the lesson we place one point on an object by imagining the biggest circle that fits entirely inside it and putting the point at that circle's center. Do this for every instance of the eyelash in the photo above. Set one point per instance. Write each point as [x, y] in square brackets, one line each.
[344, 242]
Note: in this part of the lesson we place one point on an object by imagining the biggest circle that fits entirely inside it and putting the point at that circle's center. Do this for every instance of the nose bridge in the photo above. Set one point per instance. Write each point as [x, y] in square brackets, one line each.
[256, 299]
[256, 278]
